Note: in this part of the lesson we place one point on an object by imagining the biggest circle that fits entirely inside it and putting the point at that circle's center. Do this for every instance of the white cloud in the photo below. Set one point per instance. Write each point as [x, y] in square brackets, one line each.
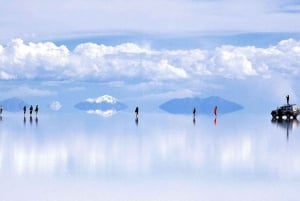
[89, 61]
[55, 106]
[104, 98]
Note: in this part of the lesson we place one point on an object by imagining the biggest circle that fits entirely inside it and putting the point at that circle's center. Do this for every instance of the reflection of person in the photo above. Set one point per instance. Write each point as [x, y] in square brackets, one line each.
[215, 121]
[216, 110]
[136, 112]
[288, 99]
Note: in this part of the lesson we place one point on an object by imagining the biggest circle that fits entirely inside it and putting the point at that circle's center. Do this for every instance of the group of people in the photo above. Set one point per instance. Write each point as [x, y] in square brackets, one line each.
[36, 110]
[215, 111]
[194, 112]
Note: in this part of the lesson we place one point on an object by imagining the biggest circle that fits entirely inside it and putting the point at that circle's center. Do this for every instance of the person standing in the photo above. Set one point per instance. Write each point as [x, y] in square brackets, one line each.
[30, 110]
[1, 109]
[24, 110]
[136, 112]
[36, 109]
[288, 99]
[216, 110]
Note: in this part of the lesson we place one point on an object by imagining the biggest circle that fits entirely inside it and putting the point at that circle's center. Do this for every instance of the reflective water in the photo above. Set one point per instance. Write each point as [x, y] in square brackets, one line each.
[80, 156]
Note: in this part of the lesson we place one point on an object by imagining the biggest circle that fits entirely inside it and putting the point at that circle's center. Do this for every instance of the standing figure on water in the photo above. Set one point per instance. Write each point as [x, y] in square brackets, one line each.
[136, 112]
[194, 115]
[136, 115]
[194, 112]
[36, 109]
[30, 110]
[24, 110]
[216, 110]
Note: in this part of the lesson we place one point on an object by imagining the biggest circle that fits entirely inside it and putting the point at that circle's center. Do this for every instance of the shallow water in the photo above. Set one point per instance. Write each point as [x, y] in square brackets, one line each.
[78, 156]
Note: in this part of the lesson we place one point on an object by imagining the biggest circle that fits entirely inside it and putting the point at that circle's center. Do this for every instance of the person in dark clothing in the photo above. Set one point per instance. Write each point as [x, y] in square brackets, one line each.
[1, 109]
[24, 110]
[216, 110]
[36, 109]
[136, 112]
[30, 110]
[288, 99]
[194, 112]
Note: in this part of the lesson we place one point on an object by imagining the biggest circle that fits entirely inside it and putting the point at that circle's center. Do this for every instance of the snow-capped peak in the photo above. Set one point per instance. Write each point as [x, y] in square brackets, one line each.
[104, 98]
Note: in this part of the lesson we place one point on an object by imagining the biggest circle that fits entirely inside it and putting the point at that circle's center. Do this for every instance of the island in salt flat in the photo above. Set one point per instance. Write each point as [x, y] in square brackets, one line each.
[105, 105]
[202, 105]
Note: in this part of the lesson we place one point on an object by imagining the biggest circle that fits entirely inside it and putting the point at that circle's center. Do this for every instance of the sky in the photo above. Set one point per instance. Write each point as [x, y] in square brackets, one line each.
[166, 49]
[35, 19]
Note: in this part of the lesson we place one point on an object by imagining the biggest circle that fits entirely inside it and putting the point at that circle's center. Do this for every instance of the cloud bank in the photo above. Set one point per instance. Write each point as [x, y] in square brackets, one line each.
[129, 61]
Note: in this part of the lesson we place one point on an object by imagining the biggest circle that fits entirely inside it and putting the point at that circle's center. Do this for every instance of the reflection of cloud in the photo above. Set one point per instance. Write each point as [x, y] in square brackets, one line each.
[234, 155]
[106, 113]
[157, 151]
[39, 159]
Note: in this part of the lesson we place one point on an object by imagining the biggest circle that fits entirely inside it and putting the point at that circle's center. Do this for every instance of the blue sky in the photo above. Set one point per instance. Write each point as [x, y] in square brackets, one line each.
[156, 50]
[34, 20]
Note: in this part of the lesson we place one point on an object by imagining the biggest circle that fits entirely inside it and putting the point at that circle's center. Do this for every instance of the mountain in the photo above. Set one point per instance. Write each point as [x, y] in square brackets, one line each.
[13, 104]
[102, 103]
[203, 106]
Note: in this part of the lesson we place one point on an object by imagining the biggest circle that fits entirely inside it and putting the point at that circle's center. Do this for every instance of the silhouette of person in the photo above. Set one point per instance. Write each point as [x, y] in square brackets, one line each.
[136, 112]
[24, 109]
[288, 99]
[1, 109]
[30, 110]
[36, 109]
[194, 112]
[194, 115]
[216, 110]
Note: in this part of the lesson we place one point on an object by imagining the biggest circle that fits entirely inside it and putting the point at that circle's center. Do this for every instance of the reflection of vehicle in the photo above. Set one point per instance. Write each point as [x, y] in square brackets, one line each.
[288, 111]
[286, 124]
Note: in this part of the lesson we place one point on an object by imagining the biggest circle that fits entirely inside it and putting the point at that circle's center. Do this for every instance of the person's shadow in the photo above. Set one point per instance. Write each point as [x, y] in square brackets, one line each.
[136, 121]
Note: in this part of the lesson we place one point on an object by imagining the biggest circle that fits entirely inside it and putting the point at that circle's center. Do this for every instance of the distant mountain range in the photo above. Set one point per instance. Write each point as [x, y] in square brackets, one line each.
[203, 106]
[13, 104]
[107, 105]
[100, 105]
